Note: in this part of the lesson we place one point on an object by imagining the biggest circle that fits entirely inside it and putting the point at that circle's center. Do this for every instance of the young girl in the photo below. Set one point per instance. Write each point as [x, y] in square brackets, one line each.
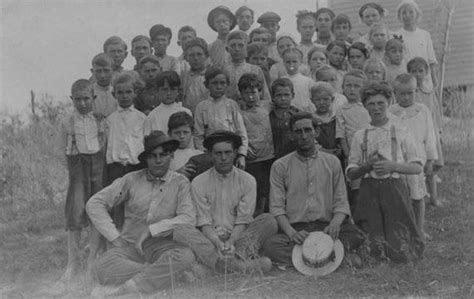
[357, 55]
[337, 52]
[374, 69]
[393, 59]
[419, 68]
[370, 13]
[278, 70]
[379, 155]
[324, 17]
[329, 75]
[316, 59]
[378, 35]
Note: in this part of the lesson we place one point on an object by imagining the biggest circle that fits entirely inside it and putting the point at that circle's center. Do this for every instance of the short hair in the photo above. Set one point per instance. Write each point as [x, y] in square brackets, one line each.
[373, 61]
[257, 48]
[325, 69]
[303, 14]
[179, 119]
[405, 78]
[249, 80]
[242, 9]
[374, 88]
[159, 29]
[339, 44]
[114, 40]
[139, 38]
[341, 19]
[416, 62]
[322, 86]
[282, 82]
[148, 58]
[168, 76]
[360, 47]
[396, 43]
[80, 85]
[126, 77]
[213, 72]
[373, 5]
[378, 26]
[355, 73]
[280, 37]
[412, 4]
[259, 30]
[314, 50]
[331, 13]
[237, 34]
[302, 115]
[293, 50]
[102, 60]
[186, 28]
[197, 42]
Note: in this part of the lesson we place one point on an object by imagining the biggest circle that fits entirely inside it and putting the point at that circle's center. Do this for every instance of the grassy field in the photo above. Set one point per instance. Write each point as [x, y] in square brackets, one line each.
[33, 242]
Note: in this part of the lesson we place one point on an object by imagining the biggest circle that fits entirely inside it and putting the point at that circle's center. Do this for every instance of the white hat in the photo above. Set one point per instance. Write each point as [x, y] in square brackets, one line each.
[318, 256]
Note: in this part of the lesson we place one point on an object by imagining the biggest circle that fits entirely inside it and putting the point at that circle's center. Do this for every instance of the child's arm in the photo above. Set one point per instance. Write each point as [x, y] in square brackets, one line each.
[265, 92]
[242, 132]
[62, 144]
[199, 130]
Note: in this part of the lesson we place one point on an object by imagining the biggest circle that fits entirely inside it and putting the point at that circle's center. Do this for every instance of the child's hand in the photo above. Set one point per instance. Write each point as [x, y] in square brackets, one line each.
[240, 162]
[251, 153]
[383, 167]
[187, 170]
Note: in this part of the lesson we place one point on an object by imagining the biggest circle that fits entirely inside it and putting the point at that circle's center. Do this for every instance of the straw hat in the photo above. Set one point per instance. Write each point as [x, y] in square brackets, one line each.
[319, 255]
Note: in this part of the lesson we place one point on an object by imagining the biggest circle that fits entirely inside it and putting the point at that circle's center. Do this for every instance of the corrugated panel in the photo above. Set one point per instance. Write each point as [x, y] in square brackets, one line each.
[459, 59]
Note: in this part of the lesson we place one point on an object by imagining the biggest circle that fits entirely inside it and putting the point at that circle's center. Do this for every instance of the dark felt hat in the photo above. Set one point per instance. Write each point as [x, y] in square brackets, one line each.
[268, 17]
[160, 29]
[219, 10]
[154, 140]
[220, 136]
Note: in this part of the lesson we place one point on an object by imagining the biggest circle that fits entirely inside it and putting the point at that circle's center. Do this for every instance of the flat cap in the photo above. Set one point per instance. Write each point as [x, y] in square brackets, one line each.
[221, 136]
[268, 17]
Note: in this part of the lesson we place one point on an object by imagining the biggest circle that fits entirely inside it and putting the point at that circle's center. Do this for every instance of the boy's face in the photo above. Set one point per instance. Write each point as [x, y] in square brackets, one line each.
[394, 55]
[149, 71]
[323, 101]
[336, 56]
[223, 156]
[374, 72]
[117, 53]
[125, 94]
[377, 107]
[196, 58]
[222, 24]
[158, 162]
[237, 49]
[259, 59]
[168, 94]
[341, 31]
[140, 49]
[323, 22]
[184, 37]
[83, 100]
[292, 62]
[272, 26]
[378, 38]
[329, 77]
[282, 97]
[217, 86]
[356, 59]
[317, 60]
[103, 74]
[183, 134]
[250, 96]
[370, 15]
[261, 37]
[283, 44]
[245, 20]
[405, 93]
[352, 87]
[307, 28]
[419, 72]
[160, 43]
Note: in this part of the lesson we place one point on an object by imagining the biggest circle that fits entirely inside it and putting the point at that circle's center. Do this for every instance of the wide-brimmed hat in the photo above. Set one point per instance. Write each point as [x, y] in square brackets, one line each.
[319, 255]
[219, 10]
[154, 140]
[220, 136]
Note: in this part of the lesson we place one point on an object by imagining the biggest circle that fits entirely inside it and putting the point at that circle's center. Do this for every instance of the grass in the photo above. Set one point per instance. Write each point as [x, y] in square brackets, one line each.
[33, 242]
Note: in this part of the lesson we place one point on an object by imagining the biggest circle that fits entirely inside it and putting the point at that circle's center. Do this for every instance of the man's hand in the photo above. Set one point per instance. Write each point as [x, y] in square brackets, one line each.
[120, 243]
[145, 235]
[299, 237]
[240, 162]
[384, 167]
[333, 230]
[228, 248]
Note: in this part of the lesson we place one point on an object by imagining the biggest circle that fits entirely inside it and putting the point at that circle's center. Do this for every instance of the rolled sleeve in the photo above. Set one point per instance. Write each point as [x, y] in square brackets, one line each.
[277, 190]
[242, 132]
[246, 206]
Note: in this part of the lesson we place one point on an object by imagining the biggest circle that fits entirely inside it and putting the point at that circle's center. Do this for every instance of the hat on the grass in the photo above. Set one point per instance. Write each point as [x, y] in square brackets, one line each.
[319, 255]
[156, 139]
[221, 10]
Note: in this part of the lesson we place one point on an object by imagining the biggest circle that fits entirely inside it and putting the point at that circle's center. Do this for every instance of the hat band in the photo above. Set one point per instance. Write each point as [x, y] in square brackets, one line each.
[321, 263]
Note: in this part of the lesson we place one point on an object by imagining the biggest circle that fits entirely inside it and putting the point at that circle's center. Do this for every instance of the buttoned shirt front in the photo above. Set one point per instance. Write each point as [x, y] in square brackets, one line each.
[158, 117]
[350, 118]
[125, 136]
[224, 201]
[259, 132]
[157, 204]
[80, 134]
[104, 103]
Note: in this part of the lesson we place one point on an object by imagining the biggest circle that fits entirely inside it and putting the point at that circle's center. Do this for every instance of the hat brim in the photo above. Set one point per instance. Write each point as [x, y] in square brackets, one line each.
[172, 142]
[213, 139]
[212, 15]
[299, 264]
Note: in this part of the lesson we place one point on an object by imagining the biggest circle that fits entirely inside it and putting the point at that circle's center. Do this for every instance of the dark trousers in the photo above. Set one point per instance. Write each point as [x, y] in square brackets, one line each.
[261, 172]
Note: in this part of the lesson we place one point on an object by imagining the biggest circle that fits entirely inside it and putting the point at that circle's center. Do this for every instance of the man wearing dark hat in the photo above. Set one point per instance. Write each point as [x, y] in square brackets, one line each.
[244, 16]
[228, 237]
[157, 204]
[270, 20]
[222, 21]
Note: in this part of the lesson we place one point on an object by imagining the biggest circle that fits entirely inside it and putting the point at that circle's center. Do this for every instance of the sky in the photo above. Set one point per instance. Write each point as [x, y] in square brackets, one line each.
[48, 44]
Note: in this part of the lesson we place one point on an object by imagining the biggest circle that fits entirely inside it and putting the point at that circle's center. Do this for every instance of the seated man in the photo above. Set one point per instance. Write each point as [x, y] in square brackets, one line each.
[229, 238]
[157, 203]
[308, 193]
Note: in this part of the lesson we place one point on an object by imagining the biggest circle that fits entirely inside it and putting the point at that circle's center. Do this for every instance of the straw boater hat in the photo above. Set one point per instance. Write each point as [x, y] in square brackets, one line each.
[221, 10]
[319, 255]
[154, 140]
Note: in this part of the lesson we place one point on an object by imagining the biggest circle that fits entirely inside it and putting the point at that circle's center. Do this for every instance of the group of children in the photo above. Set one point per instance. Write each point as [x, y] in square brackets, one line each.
[250, 82]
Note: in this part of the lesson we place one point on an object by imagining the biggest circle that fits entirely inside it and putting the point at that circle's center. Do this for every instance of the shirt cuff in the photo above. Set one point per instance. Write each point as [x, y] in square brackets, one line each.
[111, 236]
[349, 166]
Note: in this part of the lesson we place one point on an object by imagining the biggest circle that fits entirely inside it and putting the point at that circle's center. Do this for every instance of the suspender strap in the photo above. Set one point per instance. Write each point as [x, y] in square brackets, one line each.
[393, 139]
[364, 146]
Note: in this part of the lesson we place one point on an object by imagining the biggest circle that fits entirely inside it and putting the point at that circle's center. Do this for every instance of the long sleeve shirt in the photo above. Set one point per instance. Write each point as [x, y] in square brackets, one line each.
[194, 90]
[158, 117]
[158, 204]
[236, 71]
[224, 201]
[104, 103]
[306, 189]
[350, 118]
[302, 86]
[218, 54]
[259, 132]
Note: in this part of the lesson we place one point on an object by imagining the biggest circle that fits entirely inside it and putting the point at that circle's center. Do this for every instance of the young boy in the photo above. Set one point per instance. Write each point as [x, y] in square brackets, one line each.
[259, 132]
[168, 84]
[302, 85]
[185, 34]
[257, 54]
[282, 96]
[306, 26]
[116, 48]
[222, 21]
[341, 27]
[160, 39]
[82, 142]
[147, 98]
[237, 48]
[219, 113]
[102, 72]
[329, 74]
[141, 47]
[194, 91]
[260, 34]
[350, 118]
[181, 128]
[270, 21]
[393, 59]
[244, 16]
[417, 118]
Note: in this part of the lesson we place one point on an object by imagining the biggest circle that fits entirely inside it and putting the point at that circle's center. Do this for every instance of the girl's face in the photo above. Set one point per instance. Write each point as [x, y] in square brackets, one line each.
[292, 62]
[317, 60]
[408, 15]
[217, 86]
[374, 72]
[323, 101]
[259, 59]
[222, 24]
[377, 107]
[323, 22]
[378, 38]
[370, 16]
[307, 28]
[336, 57]
[283, 44]
[356, 59]
[341, 31]
[329, 77]
[419, 72]
[168, 94]
[394, 55]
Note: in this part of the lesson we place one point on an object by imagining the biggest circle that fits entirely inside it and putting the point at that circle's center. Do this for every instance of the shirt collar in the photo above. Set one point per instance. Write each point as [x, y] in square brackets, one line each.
[224, 176]
[162, 179]
[129, 109]
[385, 127]
[87, 115]
[348, 105]
[312, 157]
[106, 88]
